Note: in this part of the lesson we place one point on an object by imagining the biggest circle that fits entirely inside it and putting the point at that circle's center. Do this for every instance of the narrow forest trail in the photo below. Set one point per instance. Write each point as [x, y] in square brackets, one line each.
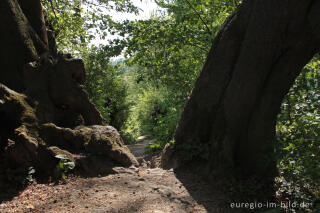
[135, 189]
[138, 149]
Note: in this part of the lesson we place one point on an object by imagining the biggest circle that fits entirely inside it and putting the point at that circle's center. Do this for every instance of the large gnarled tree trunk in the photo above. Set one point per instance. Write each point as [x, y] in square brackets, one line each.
[255, 58]
[44, 110]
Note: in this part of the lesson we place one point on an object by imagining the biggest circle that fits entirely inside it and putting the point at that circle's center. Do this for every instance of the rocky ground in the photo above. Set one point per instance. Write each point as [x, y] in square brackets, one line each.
[134, 189]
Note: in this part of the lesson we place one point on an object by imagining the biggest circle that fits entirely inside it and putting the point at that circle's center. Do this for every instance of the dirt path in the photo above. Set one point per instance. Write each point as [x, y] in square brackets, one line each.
[138, 149]
[142, 190]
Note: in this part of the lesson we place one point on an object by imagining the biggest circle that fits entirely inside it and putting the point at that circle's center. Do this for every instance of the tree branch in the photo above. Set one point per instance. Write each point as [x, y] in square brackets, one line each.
[52, 8]
[194, 9]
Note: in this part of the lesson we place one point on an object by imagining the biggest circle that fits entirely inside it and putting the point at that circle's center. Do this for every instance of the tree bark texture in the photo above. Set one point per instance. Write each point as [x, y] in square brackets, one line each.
[255, 58]
[23, 40]
[44, 110]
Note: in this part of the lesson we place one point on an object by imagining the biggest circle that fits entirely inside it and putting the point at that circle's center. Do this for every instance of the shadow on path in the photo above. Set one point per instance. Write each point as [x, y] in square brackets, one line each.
[212, 196]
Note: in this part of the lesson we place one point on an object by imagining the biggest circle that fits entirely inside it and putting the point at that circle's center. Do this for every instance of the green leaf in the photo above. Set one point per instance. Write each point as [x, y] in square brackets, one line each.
[69, 165]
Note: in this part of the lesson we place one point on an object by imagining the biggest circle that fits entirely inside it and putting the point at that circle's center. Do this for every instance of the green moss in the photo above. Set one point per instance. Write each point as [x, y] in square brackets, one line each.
[19, 100]
[29, 43]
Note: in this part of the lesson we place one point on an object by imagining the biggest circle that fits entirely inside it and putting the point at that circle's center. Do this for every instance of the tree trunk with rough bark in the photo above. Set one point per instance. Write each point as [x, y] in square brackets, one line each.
[20, 43]
[232, 110]
[44, 110]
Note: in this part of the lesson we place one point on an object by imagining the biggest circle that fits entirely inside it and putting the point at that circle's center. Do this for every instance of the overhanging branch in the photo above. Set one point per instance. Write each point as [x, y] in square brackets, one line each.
[205, 24]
